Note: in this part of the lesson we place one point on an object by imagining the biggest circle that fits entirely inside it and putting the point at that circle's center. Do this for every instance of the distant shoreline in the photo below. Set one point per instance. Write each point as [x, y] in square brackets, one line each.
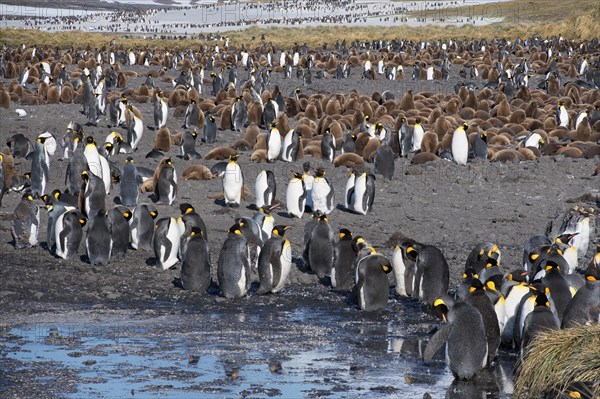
[86, 5]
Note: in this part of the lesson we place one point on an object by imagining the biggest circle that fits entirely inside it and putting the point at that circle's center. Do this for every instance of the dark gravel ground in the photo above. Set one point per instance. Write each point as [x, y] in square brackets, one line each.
[440, 203]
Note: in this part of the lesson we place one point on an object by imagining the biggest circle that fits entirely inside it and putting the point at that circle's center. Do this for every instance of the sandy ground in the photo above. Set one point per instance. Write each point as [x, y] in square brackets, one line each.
[452, 207]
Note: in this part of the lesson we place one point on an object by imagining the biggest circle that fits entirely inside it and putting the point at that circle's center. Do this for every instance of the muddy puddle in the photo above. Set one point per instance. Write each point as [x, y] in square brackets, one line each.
[235, 350]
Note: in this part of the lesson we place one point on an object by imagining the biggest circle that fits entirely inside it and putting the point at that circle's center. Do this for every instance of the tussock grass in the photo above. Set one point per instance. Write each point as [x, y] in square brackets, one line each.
[558, 358]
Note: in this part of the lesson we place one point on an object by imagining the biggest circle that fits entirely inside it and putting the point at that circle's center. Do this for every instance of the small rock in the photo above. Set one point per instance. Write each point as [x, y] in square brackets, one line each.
[89, 362]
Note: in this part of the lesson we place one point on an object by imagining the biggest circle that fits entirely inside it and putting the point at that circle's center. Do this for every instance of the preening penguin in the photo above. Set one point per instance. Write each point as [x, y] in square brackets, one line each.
[68, 233]
[275, 261]
[404, 267]
[464, 335]
[371, 282]
[26, 222]
[166, 241]
[233, 266]
[233, 182]
[265, 189]
[295, 197]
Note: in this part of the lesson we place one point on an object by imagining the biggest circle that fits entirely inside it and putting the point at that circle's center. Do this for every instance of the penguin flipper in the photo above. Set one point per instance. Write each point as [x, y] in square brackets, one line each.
[435, 343]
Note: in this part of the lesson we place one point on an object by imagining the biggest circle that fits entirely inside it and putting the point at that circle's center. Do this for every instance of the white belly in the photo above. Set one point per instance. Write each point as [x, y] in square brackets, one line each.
[399, 269]
[460, 147]
[286, 266]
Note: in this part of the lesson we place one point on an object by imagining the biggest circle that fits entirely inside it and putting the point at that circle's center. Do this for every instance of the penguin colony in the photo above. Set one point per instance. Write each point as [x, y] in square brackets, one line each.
[199, 96]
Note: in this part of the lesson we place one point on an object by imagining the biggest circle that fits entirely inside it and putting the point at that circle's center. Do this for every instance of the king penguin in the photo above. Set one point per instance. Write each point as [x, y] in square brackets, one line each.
[349, 190]
[166, 186]
[210, 129]
[404, 266]
[233, 265]
[460, 145]
[68, 233]
[321, 249]
[328, 146]
[364, 193]
[342, 274]
[275, 262]
[92, 195]
[541, 319]
[273, 143]
[371, 282]
[119, 217]
[480, 146]
[26, 222]
[584, 307]
[477, 297]
[295, 197]
[265, 189]
[464, 335]
[44, 147]
[233, 182]
[161, 111]
[98, 240]
[142, 227]
[135, 129]
[195, 266]
[130, 184]
[432, 278]
[322, 193]
[291, 146]
[167, 238]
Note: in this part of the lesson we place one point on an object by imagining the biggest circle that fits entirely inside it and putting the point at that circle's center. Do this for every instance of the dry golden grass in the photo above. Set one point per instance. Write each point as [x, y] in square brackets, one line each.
[558, 358]
[577, 19]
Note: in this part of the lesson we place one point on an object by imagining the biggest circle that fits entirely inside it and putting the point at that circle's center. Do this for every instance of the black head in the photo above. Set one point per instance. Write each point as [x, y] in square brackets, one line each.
[186, 208]
[280, 230]
[345, 235]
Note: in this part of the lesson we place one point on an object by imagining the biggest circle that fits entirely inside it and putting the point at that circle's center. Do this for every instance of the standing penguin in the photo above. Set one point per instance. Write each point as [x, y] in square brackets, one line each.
[191, 218]
[166, 241]
[119, 217]
[460, 145]
[349, 191]
[68, 232]
[274, 262]
[135, 129]
[233, 182]
[321, 248]
[233, 266]
[92, 196]
[77, 164]
[93, 157]
[464, 335]
[480, 146]
[584, 307]
[342, 273]
[210, 129]
[477, 297]
[130, 184]
[540, 320]
[98, 240]
[515, 293]
[384, 161]
[26, 222]
[432, 279]
[348, 143]
[239, 113]
[417, 135]
[364, 193]
[142, 227]
[372, 282]
[273, 143]
[291, 146]
[44, 147]
[165, 184]
[265, 189]
[55, 208]
[161, 111]
[295, 197]
[322, 193]
[328, 146]
[308, 180]
[195, 266]
[557, 288]
[404, 267]
[192, 115]
[188, 146]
